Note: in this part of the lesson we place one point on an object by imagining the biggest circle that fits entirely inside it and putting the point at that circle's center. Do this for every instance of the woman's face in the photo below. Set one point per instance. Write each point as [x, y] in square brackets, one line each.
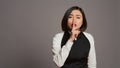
[75, 17]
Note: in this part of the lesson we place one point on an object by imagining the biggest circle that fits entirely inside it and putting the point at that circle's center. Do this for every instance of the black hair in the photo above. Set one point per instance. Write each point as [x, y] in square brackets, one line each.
[66, 15]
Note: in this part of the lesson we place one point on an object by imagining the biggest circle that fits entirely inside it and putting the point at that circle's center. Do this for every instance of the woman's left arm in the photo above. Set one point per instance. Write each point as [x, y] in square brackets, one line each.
[92, 54]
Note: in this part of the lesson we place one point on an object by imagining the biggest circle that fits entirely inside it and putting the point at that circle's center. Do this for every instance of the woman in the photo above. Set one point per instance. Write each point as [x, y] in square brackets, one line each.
[74, 48]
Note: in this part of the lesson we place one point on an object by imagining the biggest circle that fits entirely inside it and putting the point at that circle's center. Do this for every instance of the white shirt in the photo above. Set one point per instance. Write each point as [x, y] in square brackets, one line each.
[60, 54]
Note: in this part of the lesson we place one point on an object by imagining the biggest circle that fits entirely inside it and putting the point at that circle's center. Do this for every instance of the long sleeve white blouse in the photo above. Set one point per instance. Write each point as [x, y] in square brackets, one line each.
[60, 54]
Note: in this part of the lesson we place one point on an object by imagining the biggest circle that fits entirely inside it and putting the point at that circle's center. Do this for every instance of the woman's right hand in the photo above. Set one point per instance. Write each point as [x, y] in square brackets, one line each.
[74, 33]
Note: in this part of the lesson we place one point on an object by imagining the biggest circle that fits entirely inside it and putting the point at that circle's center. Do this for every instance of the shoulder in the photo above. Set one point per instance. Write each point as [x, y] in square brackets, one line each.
[57, 39]
[58, 36]
[89, 37]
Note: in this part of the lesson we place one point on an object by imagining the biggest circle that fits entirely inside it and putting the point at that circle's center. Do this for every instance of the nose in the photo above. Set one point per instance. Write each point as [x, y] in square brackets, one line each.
[74, 21]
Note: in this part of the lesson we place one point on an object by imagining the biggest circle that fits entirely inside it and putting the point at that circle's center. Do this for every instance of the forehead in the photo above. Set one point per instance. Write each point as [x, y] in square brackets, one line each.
[76, 12]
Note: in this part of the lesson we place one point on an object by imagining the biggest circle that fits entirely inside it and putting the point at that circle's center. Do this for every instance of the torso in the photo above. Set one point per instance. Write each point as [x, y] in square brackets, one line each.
[78, 56]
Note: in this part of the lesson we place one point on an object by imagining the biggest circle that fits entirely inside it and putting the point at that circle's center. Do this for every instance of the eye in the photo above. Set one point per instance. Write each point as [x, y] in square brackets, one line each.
[78, 17]
[70, 17]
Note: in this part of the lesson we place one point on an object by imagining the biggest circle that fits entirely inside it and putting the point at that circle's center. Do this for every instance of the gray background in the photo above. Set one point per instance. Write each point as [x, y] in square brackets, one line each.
[27, 28]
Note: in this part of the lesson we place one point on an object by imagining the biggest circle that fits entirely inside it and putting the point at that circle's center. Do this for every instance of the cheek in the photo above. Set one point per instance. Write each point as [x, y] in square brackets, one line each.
[79, 22]
[69, 22]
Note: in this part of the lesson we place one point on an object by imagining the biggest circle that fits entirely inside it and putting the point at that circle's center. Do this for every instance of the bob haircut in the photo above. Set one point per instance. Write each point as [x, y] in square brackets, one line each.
[66, 15]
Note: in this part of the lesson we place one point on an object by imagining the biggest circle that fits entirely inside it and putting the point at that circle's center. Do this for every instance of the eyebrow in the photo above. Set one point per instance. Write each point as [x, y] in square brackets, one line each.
[76, 15]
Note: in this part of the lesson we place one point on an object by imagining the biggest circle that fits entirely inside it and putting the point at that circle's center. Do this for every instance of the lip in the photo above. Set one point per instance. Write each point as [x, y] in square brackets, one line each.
[75, 25]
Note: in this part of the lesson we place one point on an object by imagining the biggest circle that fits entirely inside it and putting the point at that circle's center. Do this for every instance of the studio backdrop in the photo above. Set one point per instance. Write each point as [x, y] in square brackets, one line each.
[27, 28]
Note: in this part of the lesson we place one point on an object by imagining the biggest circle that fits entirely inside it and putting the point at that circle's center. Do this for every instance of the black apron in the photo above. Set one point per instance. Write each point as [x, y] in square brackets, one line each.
[78, 56]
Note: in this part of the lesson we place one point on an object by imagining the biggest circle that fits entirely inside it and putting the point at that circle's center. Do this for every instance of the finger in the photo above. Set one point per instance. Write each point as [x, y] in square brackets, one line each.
[75, 37]
[74, 26]
[76, 34]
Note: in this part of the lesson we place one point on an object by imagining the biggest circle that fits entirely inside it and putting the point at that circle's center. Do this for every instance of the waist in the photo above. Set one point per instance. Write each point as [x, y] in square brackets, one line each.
[75, 65]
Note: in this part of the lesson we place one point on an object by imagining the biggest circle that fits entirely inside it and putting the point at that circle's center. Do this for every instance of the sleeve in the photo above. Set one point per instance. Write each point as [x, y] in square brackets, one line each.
[92, 54]
[60, 54]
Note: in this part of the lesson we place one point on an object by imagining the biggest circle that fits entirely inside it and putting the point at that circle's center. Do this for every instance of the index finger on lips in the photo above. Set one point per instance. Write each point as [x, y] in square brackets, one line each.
[74, 25]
